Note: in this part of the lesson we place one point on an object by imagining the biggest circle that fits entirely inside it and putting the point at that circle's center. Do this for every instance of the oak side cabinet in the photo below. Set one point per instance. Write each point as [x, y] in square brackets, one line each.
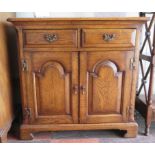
[8, 52]
[78, 73]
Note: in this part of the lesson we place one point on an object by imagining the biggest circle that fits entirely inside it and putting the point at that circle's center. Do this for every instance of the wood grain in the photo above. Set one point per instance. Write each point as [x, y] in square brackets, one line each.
[137, 19]
[95, 37]
[65, 38]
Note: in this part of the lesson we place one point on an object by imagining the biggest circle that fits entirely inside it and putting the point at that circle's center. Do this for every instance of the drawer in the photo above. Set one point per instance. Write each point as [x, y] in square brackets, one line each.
[108, 37]
[50, 38]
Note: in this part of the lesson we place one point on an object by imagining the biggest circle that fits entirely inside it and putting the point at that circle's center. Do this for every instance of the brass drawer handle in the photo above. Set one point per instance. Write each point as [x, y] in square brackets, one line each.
[50, 37]
[83, 90]
[108, 37]
[75, 89]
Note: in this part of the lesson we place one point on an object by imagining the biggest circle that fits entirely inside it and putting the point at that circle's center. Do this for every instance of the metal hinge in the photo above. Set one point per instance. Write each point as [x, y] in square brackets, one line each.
[132, 64]
[27, 113]
[24, 65]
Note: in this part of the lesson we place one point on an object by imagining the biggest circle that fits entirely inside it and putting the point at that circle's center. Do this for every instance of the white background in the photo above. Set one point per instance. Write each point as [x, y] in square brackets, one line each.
[77, 5]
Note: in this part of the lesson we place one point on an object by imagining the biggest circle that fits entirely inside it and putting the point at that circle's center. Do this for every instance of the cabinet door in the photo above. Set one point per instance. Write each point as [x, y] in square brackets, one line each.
[105, 86]
[52, 87]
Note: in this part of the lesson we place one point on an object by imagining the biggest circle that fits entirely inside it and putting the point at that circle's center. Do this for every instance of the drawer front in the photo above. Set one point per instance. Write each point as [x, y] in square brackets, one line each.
[50, 38]
[108, 37]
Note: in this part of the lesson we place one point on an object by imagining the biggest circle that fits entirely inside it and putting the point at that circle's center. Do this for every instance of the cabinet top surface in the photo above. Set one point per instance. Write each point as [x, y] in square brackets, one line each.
[144, 19]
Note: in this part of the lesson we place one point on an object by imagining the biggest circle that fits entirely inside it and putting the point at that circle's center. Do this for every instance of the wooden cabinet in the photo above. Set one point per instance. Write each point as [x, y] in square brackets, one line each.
[78, 74]
[7, 103]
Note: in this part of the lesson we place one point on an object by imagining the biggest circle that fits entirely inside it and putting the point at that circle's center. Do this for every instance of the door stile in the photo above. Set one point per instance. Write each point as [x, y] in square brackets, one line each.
[83, 87]
[75, 86]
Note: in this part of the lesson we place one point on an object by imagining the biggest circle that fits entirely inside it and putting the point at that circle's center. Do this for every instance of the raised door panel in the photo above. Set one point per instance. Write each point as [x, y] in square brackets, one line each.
[52, 99]
[104, 92]
[105, 86]
[51, 86]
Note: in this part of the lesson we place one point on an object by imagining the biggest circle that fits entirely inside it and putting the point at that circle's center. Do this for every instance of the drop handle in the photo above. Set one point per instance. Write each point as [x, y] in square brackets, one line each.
[75, 89]
[109, 37]
[83, 90]
[51, 37]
